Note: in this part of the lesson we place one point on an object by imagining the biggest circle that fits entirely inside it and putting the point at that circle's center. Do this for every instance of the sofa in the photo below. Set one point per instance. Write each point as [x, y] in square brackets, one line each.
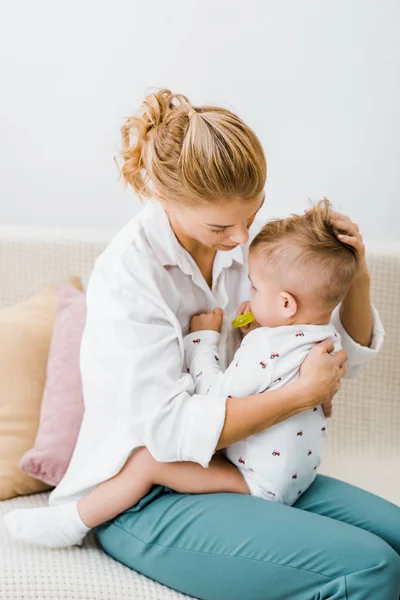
[362, 447]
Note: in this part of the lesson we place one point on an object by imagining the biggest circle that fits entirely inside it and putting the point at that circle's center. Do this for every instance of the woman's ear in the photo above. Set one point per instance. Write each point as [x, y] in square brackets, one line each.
[166, 204]
[288, 305]
[160, 197]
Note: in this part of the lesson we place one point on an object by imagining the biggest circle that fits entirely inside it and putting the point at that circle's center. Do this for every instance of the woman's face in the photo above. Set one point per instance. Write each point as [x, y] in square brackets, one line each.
[217, 226]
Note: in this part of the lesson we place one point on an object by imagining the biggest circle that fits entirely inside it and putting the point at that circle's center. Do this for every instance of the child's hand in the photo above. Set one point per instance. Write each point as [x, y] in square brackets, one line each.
[244, 308]
[211, 321]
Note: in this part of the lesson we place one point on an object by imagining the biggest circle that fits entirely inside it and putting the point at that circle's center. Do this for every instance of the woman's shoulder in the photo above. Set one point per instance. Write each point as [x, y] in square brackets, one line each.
[131, 258]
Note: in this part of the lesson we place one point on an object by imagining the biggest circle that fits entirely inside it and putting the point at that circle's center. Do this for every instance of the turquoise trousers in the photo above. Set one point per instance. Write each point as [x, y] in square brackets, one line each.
[337, 542]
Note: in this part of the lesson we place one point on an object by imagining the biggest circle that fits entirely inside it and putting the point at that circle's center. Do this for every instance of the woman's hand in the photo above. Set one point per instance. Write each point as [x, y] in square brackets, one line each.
[320, 375]
[244, 308]
[348, 232]
[207, 321]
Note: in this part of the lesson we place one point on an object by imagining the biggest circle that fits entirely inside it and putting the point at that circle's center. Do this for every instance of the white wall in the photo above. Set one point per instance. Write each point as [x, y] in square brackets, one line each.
[319, 81]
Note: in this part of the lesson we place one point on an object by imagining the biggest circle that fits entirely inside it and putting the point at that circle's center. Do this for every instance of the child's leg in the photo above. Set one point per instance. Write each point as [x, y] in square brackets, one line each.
[141, 471]
[192, 478]
[67, 524]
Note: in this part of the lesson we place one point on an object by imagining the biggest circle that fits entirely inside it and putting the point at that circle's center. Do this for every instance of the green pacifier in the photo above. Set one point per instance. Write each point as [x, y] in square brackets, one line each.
[243, 320]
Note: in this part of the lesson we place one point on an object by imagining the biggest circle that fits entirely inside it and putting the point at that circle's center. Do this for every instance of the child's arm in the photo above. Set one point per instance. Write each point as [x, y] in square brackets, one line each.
[249, 373]
[202, 359]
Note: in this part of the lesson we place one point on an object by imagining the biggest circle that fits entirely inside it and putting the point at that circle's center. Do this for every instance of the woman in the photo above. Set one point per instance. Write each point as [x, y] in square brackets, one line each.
[185, 253]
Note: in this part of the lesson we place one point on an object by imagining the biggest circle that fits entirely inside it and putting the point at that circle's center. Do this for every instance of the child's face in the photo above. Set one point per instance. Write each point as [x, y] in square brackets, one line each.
[267, 303]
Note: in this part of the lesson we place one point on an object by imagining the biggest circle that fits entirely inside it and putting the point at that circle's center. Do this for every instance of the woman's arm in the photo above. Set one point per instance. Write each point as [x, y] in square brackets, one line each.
[249, 415]
[319, 381]
[355, 310]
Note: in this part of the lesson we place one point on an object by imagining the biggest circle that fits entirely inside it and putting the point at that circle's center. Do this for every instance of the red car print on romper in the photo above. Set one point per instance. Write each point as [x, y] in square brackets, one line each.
[309, 452]
[236, 364]
[300, 433]
[198, 374]
[196, 341]
[230, 396]
[241, 461]
[294, 476]
[300, 334]
[323, 428]
[263, 364]
[279, 379]
[315, 409]
[274, 355]
[216, 357]
[276, 453]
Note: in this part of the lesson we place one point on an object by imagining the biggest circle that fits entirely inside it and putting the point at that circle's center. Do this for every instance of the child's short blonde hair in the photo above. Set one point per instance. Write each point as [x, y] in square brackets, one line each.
[306, 253]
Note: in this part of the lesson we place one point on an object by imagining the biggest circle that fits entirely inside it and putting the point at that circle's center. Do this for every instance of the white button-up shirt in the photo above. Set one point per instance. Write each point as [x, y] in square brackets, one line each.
[143, 291]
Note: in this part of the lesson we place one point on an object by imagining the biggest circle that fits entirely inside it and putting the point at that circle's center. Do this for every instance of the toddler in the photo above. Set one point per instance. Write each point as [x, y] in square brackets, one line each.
[299, 272]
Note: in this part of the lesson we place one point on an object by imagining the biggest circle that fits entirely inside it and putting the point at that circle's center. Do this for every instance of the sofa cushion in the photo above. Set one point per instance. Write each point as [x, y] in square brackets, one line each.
[62, 406]
[25, 335]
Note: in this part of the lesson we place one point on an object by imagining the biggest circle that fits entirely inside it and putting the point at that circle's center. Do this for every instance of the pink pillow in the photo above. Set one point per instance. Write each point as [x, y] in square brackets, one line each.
[62, 405]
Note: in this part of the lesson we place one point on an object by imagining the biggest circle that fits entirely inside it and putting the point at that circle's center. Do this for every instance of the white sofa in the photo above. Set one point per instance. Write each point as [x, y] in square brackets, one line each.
[363, 445]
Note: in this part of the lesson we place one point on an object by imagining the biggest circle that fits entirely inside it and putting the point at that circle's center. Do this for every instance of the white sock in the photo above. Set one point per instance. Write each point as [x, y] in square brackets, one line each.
[52, 526]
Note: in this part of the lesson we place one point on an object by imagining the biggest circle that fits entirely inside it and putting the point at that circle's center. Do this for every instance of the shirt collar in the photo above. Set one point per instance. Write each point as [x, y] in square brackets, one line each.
[167, 248]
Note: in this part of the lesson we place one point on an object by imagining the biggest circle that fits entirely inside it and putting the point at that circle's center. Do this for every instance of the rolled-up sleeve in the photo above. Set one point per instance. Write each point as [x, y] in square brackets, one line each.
[359, 355]
[142, 362]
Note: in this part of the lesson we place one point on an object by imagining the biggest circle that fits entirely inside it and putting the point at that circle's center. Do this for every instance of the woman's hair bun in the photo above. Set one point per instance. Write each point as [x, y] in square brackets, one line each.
[190, 155]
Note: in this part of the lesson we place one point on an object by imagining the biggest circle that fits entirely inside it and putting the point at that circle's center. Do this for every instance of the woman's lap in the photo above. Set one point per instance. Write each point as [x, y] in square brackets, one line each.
[343, 502]
[228, 546]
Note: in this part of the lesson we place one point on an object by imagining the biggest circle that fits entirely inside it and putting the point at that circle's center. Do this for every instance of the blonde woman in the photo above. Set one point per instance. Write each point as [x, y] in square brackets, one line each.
[203, 172]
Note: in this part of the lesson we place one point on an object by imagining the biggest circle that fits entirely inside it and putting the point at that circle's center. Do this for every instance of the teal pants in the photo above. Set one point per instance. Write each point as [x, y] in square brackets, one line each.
[337, 542]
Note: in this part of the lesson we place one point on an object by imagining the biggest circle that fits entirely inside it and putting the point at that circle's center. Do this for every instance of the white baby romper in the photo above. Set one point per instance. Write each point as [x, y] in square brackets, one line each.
[281, 462]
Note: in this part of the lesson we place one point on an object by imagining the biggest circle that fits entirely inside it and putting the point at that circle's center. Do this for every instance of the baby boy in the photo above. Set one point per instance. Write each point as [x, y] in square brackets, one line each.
[299, 272]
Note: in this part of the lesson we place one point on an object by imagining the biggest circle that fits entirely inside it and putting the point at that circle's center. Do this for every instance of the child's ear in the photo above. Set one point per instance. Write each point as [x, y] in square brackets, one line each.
[288, 305]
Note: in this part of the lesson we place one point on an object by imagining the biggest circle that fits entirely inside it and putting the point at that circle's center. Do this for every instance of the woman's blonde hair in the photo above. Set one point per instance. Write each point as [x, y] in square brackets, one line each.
[190, 154]
[305, 248]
